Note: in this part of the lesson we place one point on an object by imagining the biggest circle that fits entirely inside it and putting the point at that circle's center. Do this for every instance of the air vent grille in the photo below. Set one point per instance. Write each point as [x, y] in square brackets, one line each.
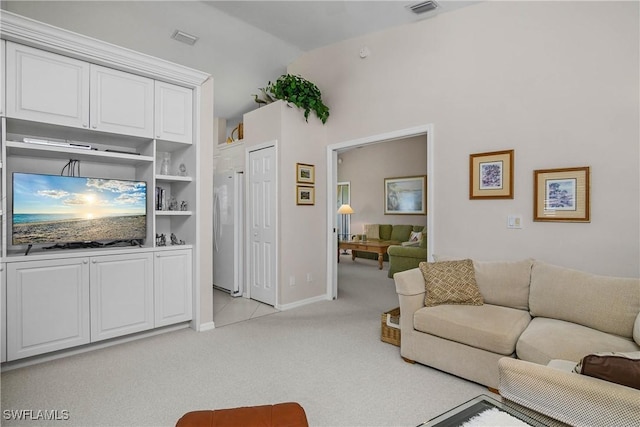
[183, 37]
[423, 7]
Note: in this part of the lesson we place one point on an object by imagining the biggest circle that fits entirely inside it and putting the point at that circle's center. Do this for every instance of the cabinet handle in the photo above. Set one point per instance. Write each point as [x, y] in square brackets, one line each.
[95, 126]
[85, 262]
[84, 125]
[94, 261]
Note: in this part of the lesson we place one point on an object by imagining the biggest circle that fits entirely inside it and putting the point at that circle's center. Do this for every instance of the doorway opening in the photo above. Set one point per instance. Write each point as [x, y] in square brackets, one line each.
[333, 231]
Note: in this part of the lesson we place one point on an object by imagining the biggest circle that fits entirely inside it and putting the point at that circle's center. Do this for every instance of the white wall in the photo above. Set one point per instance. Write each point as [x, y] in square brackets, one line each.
[367, 167]
[301, 229]
[555, 81]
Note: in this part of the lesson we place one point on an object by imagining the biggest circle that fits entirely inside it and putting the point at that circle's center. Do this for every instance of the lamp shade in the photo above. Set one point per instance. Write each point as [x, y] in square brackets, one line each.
[345, 209]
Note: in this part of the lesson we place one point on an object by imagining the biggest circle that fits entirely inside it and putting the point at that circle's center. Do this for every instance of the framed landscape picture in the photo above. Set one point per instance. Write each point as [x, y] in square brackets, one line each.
[305, 195]
[561, 194]
[405, 196]
[491, 175]
[305, 174]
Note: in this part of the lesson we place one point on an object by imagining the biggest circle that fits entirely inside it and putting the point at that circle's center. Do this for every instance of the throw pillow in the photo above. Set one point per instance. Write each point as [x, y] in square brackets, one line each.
[415, 236]
[450, 282]
[372, 231]
[615, 367]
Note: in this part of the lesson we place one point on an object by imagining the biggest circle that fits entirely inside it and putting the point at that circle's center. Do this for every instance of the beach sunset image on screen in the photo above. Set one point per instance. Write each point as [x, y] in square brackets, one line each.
[64, 209]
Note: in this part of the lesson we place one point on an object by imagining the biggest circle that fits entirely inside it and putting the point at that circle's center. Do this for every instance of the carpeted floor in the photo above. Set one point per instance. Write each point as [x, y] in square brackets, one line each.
[327, 356]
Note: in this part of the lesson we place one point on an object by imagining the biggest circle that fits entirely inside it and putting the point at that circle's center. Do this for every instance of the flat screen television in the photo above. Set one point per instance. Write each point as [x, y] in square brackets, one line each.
[55, 209]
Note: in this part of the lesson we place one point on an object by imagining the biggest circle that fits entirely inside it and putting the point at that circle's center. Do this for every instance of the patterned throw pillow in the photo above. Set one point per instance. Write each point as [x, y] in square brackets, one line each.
[372, 231]
[416, 236]
[450, 282]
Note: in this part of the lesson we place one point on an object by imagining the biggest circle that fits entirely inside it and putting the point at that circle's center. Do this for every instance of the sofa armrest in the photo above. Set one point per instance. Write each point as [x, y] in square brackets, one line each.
[410, 289]
[409, 282]
[408, 252]
[566, 396]
[636, 330]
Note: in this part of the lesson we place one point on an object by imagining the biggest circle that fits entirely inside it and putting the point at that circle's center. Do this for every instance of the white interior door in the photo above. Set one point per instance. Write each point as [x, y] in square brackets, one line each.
[262, 225]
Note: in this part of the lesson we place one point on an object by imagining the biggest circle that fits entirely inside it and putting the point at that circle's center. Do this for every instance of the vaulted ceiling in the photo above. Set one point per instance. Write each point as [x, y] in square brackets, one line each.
[242, 44]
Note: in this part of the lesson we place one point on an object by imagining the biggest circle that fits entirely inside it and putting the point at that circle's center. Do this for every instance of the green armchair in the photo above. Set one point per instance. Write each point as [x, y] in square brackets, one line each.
[403, 258]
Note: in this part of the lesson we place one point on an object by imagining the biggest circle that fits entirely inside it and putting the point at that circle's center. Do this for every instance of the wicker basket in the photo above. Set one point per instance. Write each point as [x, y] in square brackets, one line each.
[391, 327]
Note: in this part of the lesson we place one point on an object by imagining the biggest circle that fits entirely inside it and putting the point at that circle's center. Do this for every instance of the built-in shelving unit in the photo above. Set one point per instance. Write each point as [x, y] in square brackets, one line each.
[68, 91]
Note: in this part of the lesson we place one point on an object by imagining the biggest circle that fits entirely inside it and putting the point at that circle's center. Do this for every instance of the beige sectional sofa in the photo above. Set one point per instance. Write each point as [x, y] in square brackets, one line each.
[532, 311]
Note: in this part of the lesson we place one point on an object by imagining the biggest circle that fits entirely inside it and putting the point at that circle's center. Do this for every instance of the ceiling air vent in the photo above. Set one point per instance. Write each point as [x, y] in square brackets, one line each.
[423, 7]
[183, 37]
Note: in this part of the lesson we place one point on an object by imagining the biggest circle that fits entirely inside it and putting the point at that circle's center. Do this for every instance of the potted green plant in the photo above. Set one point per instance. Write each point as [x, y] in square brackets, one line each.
[297, 91]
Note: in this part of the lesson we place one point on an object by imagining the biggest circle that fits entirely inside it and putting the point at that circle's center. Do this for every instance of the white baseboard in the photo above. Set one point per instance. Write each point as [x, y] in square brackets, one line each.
[206, 326]
[303, 302]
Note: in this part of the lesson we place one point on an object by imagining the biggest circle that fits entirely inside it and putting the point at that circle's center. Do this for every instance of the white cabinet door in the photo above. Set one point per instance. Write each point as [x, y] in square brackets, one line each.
[46, 87]
[121, 102]
[173, 113]
[121, 295]
[3, 306]
[47, 306]
[173, 287]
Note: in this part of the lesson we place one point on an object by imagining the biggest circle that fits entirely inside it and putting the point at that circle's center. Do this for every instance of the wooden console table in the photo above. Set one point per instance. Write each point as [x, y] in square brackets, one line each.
[376, 246]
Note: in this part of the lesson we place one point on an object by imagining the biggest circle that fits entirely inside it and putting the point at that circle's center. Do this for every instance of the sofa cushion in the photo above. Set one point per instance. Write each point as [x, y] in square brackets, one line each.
[401, 232]
[372, 231]
[546, 339]
[488, 327]
[450, 282]
[504, 283]
[619, 368]
[385, 231]
[608, 304]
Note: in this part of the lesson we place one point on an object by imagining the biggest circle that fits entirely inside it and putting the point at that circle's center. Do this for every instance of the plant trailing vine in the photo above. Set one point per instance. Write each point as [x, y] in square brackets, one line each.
[298, 91]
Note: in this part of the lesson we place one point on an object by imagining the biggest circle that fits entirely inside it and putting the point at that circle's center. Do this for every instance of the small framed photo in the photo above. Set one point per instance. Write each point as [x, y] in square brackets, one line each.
[305, 195]
[561, 194]
[491, 175]
[405, 196]
[305, 174]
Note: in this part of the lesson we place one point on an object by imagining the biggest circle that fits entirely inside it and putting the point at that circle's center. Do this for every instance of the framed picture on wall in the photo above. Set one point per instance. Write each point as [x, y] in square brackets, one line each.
[405, 196]
[305, 195]
[561, 194]
[491, 175]
[305, 174]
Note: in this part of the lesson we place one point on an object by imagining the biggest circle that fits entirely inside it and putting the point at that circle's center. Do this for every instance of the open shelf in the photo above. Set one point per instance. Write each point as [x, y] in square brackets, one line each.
[15, 148]
[173, 178]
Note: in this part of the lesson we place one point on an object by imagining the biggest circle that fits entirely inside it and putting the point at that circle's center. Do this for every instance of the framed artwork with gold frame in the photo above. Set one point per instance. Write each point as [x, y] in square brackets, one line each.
[561, 194]
[305, 174]
[491, 175]
[305, 195]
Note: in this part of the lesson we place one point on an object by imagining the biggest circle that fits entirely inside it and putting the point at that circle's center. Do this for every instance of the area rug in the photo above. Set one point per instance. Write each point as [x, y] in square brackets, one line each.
[494, 418]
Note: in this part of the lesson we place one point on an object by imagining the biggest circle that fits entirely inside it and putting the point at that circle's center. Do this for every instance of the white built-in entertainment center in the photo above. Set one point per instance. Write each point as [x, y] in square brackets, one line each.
[124, 111]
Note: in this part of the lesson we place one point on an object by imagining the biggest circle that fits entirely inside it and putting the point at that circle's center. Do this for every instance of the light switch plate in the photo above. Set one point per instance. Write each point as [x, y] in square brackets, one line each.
[514, 221]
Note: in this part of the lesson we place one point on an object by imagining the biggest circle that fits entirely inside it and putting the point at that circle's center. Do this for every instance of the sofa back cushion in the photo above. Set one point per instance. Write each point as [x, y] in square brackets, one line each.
[504, 283]
[385, 231]
[608, 304]
[401, 232]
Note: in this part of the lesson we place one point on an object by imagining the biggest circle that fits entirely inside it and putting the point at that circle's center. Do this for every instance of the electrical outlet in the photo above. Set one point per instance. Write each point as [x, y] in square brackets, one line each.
[309, 278]
[292, 280]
